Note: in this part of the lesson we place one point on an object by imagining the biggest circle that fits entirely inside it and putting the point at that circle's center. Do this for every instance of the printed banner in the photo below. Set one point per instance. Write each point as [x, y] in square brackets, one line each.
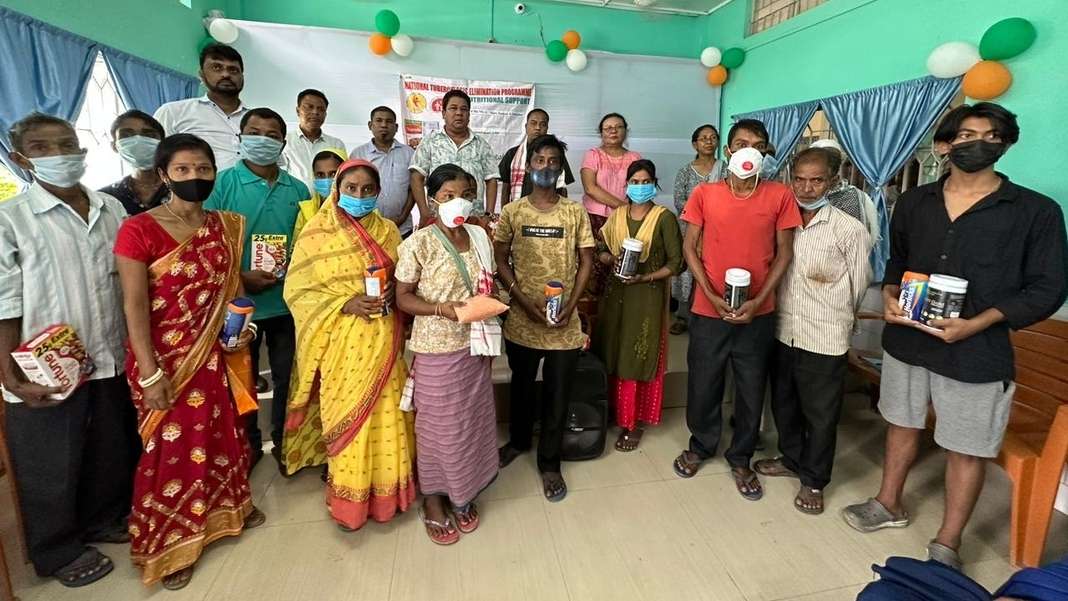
[498, 108]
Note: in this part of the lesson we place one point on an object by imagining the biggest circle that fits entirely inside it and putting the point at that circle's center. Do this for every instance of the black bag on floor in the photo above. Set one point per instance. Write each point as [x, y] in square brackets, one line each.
[587, 411]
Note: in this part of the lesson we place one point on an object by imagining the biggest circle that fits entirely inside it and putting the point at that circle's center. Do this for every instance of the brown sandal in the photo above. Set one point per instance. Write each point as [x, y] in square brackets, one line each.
[629, 440]
[687, 464]
[255, 519]
[773, 468]
[178, 580]
[748, 484]
[809, 500]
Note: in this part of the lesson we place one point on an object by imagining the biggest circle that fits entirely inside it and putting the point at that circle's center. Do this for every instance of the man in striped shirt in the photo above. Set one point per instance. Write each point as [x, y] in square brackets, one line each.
[818, 300]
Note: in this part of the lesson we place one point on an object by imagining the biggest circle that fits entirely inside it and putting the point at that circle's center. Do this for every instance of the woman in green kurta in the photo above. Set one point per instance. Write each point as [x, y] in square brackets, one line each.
[632, 323]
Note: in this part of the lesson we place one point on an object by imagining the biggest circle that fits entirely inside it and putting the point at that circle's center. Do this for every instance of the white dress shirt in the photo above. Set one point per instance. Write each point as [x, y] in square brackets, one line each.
[396, 178]
[300, 150]
[204, 119]
[56, 268]
[823, 287]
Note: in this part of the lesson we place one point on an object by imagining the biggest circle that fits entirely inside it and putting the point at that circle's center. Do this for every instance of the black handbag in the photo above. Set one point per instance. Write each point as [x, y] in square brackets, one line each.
[586, 428]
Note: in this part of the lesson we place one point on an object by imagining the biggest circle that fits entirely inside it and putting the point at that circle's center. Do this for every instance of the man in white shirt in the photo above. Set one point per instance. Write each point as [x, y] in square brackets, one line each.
[216, 116]
[817, 303]
[308, 139]
[459, 145]
[392, 159]
[73, 459]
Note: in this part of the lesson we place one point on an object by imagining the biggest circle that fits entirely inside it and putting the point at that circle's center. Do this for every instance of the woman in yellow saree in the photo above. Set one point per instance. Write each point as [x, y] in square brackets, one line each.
[350, 372]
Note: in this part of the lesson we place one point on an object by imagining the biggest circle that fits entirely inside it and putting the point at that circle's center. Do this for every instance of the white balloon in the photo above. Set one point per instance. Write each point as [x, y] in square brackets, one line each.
[576, 60]
[402, 44]
[223, 31]
[711, 56]
[952, 59]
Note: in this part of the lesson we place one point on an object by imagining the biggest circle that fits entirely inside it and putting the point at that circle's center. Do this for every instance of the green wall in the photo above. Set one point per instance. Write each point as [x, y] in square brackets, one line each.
[163, 31]
[628, 32]
[846, 45]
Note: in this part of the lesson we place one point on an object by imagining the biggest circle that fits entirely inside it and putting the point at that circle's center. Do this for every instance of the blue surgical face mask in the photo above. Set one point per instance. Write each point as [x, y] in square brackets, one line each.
[641, 193]
[357, 207]
[815, 205]
[546, 177]
[260, 150]
[138, 151]
[63, 171]
[323, 185]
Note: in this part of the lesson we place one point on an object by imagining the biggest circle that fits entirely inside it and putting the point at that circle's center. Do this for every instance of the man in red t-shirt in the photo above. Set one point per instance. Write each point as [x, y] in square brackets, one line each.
[739, 223]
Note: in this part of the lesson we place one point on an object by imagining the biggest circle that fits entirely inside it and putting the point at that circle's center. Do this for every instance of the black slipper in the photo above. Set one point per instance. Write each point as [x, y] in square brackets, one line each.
[90, 566]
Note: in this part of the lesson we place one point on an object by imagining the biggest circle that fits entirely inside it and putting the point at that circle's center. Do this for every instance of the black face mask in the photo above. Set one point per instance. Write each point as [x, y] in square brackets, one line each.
[976, 155]
[192, 190]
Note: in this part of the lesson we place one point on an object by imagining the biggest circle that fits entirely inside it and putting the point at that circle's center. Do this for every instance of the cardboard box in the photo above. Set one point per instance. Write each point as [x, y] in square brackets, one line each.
[270, 253]
[55, 357]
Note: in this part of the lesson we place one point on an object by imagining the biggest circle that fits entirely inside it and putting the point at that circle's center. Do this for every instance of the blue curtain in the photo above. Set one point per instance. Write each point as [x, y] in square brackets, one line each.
[44, 69]
[880, 129]
[146, 86]
[785, 125]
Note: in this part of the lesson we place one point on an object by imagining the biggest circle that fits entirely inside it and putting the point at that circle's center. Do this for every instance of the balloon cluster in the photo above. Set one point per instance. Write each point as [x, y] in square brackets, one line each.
[567, 49]
[388, 36]
[985, 78]
[720, 63]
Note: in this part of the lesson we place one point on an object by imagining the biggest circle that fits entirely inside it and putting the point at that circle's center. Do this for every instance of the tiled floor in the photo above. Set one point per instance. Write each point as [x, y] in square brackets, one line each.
[629, 529]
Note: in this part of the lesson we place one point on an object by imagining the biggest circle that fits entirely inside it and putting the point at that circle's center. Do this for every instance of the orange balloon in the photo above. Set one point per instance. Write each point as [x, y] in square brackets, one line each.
[986, 80]
[380, 44]
[571, 39]
[717, 75]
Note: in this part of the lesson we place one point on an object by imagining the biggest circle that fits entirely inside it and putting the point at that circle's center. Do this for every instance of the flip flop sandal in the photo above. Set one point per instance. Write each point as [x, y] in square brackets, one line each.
[685, 468]
[679, 327]
[178, 580]
[943, 555]
[773, 468]
[506, 455]
[756, 491]
[255, 519]
[90, 566]
[451, 533]
[871, 515]
[629, 440]
[815, 493]
[467, 518]
[554, 488]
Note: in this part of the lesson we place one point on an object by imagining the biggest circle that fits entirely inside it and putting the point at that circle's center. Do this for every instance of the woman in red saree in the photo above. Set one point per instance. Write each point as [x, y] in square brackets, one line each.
[179, 267]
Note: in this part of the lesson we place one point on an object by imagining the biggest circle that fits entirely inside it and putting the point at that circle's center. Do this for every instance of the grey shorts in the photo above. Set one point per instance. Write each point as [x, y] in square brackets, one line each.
[970, 418]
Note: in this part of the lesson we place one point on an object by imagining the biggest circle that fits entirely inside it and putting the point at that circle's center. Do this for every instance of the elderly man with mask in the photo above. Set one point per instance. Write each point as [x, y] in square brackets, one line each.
[818, 300]
[845, 196]
[751, 232]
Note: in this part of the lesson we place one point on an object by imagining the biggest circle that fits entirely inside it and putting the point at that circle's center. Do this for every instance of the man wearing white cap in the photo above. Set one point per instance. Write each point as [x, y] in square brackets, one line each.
[849, 198]
[750, 232]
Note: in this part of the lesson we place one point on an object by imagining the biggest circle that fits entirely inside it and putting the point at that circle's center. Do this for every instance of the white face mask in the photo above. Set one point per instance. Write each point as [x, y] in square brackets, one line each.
[454, 213]
[63, 171]
[138, 151]
[746, 162]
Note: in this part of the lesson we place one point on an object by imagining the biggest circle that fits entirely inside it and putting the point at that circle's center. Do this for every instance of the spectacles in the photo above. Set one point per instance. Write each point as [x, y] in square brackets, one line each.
[611, 129]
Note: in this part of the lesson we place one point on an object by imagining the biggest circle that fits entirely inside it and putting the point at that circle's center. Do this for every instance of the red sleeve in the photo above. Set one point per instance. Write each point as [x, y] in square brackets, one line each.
[131, 241]
[694, 211]
[789, 214]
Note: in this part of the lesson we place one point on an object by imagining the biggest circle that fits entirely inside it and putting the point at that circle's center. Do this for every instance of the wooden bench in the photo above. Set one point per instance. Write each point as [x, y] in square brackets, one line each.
[1036, 440]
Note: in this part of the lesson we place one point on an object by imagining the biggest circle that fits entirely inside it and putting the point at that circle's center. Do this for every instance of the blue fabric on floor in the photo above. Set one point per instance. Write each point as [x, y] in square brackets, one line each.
[1038, 584]
[907, 579]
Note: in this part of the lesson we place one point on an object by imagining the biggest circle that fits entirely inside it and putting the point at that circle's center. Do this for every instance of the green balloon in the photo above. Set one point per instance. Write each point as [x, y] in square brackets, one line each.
[556, 50]
[733, 58]
[387, 23]
[1006, 39]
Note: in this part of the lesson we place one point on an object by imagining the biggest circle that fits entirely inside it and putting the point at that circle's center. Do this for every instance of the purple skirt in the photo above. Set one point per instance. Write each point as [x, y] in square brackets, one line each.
[455, 425]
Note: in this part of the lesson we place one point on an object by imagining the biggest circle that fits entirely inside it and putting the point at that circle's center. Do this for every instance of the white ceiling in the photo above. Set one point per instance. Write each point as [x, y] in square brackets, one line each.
[693, 8]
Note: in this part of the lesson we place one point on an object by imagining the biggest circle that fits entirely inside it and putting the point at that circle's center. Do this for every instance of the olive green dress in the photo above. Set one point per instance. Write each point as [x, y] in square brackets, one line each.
[631, 320]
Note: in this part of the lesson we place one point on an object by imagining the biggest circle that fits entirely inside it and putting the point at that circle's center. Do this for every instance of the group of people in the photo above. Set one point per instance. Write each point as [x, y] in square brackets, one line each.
[224, 203]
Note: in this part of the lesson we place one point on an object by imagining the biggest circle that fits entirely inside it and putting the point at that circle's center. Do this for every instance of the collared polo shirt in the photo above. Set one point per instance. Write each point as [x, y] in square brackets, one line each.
[393, 169]
[474, 155]
[269, 210]
[204, 119]
[57, 268]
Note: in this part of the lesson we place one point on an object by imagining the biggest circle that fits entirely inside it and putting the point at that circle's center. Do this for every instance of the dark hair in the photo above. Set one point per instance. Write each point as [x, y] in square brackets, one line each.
[322, 155]
[828, 156]
[171, 145]
[263, 113]
[455, 94]
[752, 126]
[1003, 120]
[643, 165]
[383, 109]
[697, 134]
[542, 111]
[600, 126]
[443, 174]
[546, 141]
[368, 168]
[312, 92]
[221, 52]
[136, 114]
[34, 119]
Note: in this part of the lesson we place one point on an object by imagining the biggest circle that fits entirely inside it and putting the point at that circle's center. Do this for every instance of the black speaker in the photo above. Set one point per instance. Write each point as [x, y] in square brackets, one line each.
[587, 411]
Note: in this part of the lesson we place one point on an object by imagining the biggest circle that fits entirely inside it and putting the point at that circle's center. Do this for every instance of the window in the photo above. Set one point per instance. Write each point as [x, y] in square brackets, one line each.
[769, 13]
[93, 124]
[9, 184]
